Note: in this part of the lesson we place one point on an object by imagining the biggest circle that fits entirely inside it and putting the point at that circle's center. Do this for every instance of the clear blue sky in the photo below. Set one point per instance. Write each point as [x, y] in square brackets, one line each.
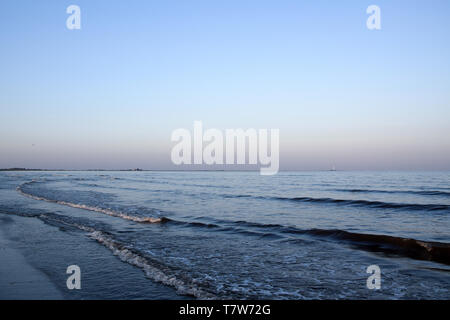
[110, 94]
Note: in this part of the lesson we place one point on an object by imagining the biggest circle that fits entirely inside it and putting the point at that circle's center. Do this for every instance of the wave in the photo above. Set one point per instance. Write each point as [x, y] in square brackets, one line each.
[152, 269]
[416, 192]
[373, 204]
[354, 203]
[130, 256]
[93, 208]
[412, 248]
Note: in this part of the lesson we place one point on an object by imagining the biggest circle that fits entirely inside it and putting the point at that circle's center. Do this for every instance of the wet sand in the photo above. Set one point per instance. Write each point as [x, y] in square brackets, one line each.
[18, 279]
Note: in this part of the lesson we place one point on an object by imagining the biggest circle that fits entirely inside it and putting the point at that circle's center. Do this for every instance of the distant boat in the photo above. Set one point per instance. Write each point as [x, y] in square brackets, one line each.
[333, 168]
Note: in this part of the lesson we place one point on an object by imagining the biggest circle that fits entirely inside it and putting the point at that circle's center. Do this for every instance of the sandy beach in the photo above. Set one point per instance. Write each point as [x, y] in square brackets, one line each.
[19, 279]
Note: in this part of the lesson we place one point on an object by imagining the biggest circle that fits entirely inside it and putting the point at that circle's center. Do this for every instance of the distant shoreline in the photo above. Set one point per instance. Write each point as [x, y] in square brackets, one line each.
[210, 170]
[135, 170]
[142, 170]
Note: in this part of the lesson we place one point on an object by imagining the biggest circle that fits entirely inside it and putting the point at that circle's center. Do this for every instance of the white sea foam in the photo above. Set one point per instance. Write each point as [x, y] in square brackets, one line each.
[133, 258]
[150, 271]
[91, 208]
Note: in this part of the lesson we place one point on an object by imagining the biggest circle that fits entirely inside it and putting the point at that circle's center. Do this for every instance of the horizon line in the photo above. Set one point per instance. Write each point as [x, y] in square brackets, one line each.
[223, 170]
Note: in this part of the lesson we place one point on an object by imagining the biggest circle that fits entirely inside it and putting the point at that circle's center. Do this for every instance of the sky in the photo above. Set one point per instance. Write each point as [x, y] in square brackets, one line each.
[110, 94]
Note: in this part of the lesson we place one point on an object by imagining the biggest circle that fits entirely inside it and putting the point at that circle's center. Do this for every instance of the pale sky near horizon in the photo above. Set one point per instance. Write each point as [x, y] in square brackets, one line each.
[109, 95]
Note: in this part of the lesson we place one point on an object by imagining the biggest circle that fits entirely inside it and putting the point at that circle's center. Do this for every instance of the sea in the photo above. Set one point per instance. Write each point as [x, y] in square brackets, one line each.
[232, 234]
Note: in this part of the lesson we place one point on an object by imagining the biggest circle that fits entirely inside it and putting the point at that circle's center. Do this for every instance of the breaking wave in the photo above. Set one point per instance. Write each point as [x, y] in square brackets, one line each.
[411, 248]
[93, 208]
[128, 255]
[152, 269]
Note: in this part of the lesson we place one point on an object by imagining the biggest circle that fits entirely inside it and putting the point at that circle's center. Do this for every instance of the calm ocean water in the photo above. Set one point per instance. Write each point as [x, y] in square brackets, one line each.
[296, 235]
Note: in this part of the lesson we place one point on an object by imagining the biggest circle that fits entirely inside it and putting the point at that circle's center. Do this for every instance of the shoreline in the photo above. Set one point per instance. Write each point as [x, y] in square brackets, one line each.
[18, 278]
[35, 256]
